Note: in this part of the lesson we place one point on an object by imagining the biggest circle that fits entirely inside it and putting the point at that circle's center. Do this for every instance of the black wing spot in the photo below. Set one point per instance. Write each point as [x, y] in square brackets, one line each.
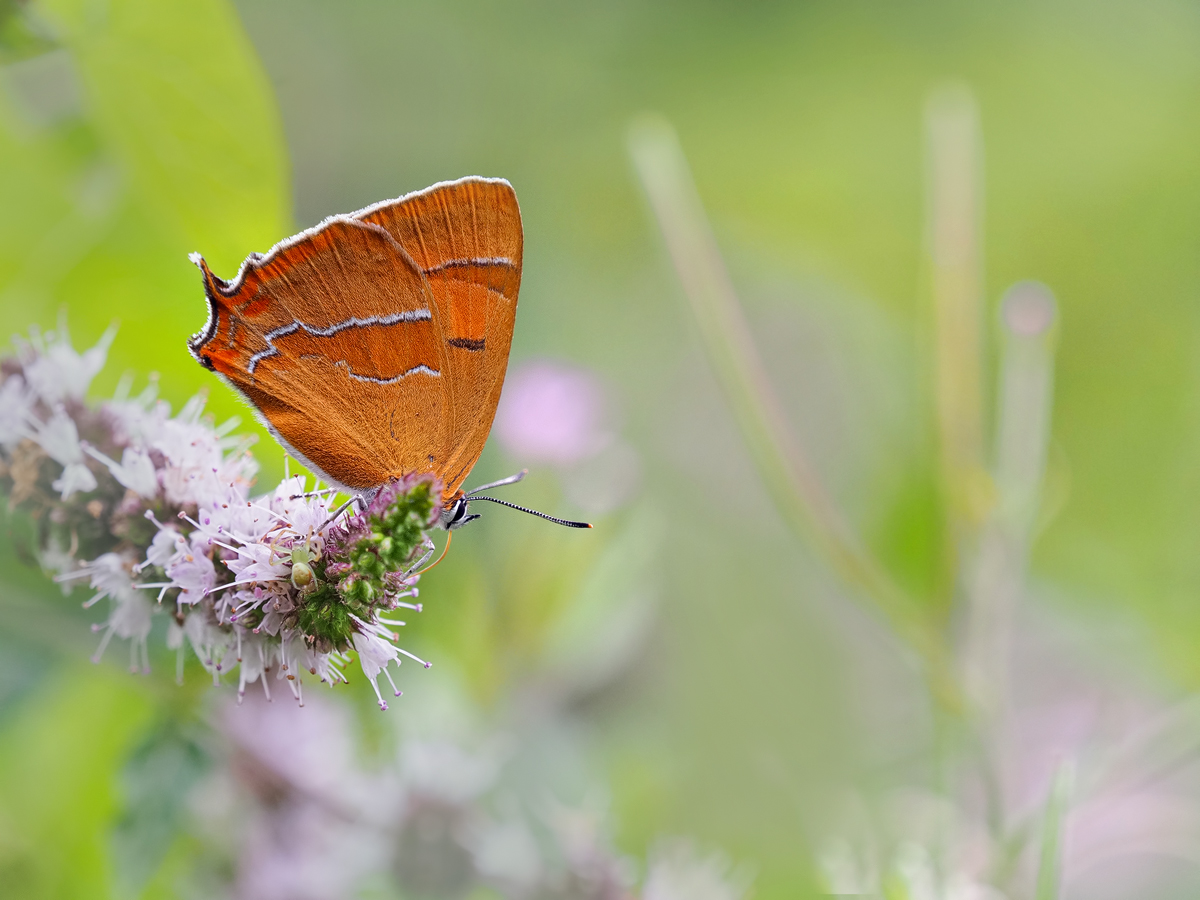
[466, 343]
[207, 362]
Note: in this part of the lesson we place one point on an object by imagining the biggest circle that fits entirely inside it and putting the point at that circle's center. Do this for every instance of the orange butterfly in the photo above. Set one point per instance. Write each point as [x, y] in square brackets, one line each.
[374, 345]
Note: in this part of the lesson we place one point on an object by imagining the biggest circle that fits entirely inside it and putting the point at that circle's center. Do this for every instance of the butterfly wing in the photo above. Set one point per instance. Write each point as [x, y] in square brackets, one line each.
[466, 238]
[335, 337]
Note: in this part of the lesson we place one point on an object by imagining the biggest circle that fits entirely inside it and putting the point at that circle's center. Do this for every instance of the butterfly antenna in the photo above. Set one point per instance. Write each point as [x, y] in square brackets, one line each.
[445, 550]
[511, 479]
[534, 512]
[307, 494]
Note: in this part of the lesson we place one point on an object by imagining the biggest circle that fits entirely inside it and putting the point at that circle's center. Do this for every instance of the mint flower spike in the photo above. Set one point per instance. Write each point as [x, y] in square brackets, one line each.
[368, 570]
[266, 584]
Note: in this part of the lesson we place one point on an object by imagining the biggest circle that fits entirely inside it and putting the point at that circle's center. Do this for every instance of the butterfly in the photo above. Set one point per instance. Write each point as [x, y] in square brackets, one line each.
[374, 345]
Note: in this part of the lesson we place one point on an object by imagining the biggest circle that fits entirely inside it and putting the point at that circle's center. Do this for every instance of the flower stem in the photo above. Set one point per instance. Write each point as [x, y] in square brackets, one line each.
[1050, 862]
[995, 581]
[954, 222]
[787, 474]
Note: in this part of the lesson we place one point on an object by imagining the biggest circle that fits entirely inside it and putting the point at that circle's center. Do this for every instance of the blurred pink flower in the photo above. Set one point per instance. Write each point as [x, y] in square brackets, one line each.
[308, 749]
[552, 412]
[312, 829]
[679, 871]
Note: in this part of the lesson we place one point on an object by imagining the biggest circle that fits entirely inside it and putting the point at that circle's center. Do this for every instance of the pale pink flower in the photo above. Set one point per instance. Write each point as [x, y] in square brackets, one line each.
[306, 829]
[256, 657]
[444, 771]
[506, 854]
[107, 574]
[130, 620]
[326, 666]
[163, 548]
[311, 749]
[59, 437]
[191, 570]
[210, 642]
[136, 421]
[678, 871]
[376, 649]
[198, 467]
[239, 568]
[302, 852]
[130, 611]
[54, 370]
[552, 412]
[135, 470]
[255, 563]
[76, 477]
[16, 408]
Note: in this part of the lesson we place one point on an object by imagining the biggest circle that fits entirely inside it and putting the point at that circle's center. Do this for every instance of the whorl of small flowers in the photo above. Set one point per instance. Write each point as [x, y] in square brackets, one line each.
[154, 512]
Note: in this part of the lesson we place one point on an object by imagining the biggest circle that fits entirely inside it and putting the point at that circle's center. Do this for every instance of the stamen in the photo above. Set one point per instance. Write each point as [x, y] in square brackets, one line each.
[427, 665]
[84, 572]
[103, 643]
[388, 675]
[382, 703]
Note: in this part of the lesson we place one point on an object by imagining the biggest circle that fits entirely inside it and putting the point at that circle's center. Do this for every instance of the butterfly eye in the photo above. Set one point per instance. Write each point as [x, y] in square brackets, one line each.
[455, 515]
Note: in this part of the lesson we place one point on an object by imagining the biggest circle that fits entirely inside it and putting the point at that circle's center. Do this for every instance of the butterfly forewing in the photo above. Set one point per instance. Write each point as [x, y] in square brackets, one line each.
[466, 238]
[335, 337]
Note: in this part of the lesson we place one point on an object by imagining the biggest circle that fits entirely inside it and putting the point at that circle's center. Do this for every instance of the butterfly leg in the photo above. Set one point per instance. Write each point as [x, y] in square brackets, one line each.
[341, 509]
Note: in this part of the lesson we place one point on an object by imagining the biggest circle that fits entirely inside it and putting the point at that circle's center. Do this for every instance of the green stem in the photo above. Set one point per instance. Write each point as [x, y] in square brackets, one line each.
[954, 224]
[789, 478]
[1050, 863]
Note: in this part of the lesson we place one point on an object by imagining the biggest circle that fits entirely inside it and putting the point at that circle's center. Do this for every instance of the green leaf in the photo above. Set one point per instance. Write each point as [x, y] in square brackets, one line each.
[156, 782]
[165, 140]
[58, 757]
[178, 96]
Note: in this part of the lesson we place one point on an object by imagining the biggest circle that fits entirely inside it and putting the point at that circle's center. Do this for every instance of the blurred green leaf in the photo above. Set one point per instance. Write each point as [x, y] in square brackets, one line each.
[173, 145]
[57, 759]
[21, 668]
[131, 133]
[1050, 857]
[156, 782]
[19, 36]
[178, 97]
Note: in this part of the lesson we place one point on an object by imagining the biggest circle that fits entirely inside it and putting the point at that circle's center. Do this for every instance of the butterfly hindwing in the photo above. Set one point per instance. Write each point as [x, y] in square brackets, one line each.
[466, 238]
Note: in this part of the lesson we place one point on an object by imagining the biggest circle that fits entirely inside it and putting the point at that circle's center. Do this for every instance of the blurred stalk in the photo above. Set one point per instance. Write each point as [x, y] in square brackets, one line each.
[954, 211]
[789, 477]
[995, 582]
[1050, 862]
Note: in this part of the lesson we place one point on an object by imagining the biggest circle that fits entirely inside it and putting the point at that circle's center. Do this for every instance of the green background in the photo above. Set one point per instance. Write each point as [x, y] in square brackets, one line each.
[223, 128]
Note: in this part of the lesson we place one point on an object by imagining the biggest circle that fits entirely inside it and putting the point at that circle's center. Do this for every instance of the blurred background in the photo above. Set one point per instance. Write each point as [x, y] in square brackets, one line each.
[702, 681]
